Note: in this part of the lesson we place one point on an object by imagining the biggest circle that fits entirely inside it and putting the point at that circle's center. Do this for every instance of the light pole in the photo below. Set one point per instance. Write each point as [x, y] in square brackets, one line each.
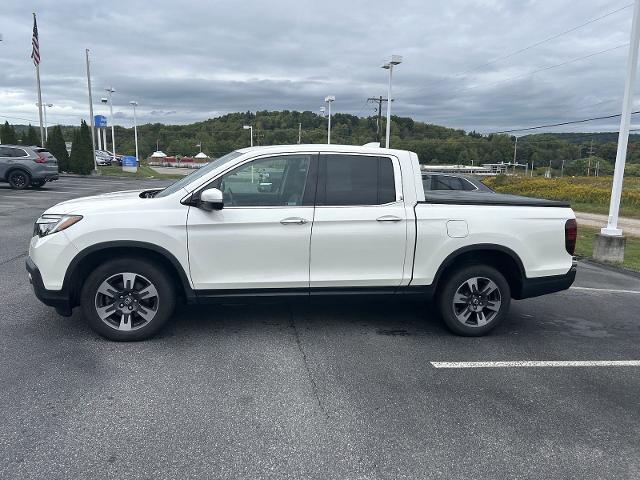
[46, 129]
[395, 60]
[250, 128]
[329, 99]
[134, 104]
[110, 90]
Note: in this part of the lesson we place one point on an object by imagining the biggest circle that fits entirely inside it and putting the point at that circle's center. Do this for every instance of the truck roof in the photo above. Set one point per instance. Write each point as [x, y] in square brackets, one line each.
[325, 148]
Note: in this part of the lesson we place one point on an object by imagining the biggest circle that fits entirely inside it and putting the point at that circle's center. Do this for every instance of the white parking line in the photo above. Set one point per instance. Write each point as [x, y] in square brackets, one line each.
[608, 290]
[552, 363]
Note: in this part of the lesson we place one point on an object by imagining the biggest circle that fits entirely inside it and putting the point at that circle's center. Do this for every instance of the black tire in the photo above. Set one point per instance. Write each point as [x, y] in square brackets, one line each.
[19, 179]
[159, 307]
[37, 183]
[479, 307]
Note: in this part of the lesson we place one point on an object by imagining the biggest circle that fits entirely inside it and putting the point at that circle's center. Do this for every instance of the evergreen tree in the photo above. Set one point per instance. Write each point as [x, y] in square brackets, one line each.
[8, 134]
[81, 160]
[23, 138]
[33, 138]
[58, 148]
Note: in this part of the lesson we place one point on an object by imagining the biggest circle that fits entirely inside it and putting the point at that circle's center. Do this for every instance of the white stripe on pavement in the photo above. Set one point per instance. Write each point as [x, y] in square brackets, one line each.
[608, 290]
[552, 363]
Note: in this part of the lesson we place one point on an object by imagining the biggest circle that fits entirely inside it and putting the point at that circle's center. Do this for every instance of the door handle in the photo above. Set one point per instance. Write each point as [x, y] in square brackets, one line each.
[388, 218]
[293, 221]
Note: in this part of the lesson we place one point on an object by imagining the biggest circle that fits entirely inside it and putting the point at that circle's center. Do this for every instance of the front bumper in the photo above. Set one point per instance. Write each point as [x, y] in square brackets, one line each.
[534, 287]
[59, 299]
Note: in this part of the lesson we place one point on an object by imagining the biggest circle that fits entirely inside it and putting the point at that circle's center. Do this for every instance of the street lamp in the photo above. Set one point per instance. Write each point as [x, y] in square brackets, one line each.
[134, 104]
[395, 60]
[329, 99]
[110, 90]
[46, 130]
[249, 127]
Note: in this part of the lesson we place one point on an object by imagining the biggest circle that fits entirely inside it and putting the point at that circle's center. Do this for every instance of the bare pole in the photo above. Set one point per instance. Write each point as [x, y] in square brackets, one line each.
[93, 133]
[625, 120]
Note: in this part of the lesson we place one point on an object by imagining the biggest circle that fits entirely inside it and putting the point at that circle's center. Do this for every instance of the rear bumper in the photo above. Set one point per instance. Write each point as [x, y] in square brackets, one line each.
[59, 299]
[534, 287]
[47, 177]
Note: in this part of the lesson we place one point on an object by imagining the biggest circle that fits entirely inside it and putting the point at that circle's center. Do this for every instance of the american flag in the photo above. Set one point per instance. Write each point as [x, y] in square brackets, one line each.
[35, 52]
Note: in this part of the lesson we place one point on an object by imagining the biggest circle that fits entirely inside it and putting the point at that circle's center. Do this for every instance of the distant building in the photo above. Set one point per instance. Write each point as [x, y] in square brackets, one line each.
[484, 169]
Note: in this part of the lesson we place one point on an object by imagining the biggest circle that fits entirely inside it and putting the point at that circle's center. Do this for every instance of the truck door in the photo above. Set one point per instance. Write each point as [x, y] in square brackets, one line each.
[260, 239]
[359, 233]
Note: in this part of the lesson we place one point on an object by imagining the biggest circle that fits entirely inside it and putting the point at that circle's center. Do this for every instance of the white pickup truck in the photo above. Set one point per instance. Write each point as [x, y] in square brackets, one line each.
[298, 220]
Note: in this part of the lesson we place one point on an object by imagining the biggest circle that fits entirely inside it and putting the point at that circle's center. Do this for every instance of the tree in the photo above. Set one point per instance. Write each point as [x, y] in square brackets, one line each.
[58, 148]
[8, 134]
[81, 160]
[32, 138]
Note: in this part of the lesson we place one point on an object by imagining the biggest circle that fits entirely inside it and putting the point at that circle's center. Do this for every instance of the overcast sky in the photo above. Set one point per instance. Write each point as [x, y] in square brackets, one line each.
[188, 60]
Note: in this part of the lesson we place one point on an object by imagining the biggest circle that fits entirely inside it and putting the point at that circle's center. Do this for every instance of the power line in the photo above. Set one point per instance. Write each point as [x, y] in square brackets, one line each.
[543, 69]
[529, 47]
[562, 123]
[548, 39]
[18, 118]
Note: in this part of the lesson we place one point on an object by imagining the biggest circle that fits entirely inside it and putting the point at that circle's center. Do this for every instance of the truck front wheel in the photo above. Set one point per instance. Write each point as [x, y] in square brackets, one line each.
[127, 299]
[474, 300]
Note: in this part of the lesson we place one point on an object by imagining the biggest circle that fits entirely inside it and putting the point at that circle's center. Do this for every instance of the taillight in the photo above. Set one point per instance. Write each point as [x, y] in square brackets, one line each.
[40, 158]
[570, 235]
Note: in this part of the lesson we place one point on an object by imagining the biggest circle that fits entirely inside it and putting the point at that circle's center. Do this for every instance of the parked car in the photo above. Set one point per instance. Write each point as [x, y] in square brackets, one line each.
[23, 166]
[452, 181]
[103, 158]
[126, 258]
[110, 155]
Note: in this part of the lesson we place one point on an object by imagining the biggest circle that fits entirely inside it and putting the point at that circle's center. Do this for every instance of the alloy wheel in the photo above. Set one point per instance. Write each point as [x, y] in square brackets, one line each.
[477, 302]
[127, 301]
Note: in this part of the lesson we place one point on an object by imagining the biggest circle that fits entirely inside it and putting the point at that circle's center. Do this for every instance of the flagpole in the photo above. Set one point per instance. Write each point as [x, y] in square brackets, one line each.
[93, 137]
[39, 90]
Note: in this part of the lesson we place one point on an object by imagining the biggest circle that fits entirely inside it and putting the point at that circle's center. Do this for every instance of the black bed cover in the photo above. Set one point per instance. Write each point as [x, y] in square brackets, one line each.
[457, 197]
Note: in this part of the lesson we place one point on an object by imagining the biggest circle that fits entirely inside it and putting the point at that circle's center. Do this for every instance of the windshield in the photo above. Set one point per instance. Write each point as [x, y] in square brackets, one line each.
[201, 172]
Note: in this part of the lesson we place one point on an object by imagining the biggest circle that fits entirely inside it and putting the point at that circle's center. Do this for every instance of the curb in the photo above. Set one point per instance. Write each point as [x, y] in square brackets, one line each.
[609, 266]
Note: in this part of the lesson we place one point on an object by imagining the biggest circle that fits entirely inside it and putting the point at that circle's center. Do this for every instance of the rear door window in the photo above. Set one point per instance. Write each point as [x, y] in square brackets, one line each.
[356, 180]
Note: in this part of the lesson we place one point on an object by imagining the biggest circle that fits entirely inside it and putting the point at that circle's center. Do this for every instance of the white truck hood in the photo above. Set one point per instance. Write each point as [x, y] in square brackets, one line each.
[83, 205]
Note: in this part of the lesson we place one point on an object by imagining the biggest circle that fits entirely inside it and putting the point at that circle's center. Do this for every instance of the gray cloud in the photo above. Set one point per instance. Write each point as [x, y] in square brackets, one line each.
[187, 61]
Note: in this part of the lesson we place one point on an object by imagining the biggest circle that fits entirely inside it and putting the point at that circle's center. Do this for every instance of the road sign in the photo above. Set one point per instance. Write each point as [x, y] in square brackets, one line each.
[100, 121]
[129, 164]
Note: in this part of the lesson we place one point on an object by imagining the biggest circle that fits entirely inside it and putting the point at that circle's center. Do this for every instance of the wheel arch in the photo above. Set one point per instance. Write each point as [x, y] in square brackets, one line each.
[96, 254]
[16, 168]
[502, 258]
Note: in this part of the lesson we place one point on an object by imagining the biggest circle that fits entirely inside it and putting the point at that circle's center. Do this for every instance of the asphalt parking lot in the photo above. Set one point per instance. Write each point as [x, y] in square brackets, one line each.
[325, 390]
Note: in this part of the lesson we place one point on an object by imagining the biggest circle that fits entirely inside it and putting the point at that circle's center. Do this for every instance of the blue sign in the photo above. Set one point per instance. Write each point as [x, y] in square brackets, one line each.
[129, 161]
[100, 121]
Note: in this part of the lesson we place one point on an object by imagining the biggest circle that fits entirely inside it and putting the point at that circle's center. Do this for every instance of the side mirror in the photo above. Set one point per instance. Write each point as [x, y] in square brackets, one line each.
[211, 199]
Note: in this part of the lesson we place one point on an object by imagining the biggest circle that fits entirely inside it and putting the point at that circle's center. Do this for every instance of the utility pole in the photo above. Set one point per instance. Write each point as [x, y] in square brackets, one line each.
[515, 151]
[299, 133]
[590, 155]
[379, 100]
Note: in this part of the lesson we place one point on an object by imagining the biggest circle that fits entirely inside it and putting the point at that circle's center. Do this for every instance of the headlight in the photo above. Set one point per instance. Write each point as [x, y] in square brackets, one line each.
[48, 224]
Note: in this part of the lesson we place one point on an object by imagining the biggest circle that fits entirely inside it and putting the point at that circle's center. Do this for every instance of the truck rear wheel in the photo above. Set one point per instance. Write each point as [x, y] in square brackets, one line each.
[474, 300]
[127, 299]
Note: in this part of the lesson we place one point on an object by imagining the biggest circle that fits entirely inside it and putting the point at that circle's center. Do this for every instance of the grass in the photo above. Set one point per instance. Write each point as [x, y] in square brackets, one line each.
[584, 247]
[586, 194]
[144, 171]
